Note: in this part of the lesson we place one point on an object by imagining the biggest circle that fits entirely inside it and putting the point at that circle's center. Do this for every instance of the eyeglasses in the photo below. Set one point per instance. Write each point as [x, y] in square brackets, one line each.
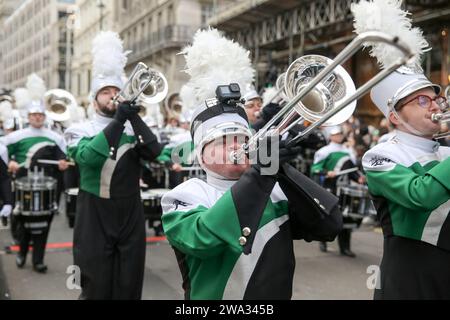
[426, 101]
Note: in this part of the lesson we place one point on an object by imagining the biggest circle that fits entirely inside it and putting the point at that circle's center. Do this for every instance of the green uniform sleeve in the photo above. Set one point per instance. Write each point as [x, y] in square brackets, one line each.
[203, 232]
[318, 167]
[165, 155]
[90, 151]
[405, 187]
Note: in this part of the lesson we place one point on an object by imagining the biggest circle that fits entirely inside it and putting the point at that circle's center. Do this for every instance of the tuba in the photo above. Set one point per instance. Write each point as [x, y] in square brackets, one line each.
[145, 86]
[58, 103]
[320, 91]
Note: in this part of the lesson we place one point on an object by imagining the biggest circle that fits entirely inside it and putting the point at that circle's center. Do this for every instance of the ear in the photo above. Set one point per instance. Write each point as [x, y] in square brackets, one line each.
[393, 119]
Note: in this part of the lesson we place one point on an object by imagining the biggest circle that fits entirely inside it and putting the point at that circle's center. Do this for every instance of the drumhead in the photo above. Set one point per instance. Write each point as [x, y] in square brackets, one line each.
[35, 183]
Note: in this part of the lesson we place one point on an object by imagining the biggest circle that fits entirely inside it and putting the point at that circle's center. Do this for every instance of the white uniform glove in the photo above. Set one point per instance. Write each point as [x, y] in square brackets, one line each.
[6, 210]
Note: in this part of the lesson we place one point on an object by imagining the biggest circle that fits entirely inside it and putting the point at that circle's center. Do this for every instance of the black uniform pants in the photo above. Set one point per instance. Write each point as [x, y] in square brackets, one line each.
[36, 229]
[412, 269]
[109, 246]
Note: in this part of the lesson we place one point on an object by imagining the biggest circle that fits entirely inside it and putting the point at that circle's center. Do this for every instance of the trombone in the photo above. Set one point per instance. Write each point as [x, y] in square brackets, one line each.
[313, 98]
[145, 86]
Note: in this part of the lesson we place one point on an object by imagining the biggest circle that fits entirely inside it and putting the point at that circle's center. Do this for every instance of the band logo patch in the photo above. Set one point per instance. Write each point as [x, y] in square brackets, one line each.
[379, 161]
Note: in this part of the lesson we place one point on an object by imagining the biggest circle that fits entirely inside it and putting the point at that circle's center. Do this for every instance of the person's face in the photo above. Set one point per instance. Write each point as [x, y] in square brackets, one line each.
[103, 102]
[216, 157]
[36, 120]
[252, 109]
[414, 111]
[337, 138]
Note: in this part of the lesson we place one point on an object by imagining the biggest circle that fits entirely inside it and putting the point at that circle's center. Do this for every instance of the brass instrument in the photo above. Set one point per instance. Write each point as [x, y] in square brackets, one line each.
[321, 92]
[145, 86]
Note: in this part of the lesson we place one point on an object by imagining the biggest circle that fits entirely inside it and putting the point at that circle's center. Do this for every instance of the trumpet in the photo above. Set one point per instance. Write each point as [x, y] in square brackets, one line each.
[321, 92]
[145, 86]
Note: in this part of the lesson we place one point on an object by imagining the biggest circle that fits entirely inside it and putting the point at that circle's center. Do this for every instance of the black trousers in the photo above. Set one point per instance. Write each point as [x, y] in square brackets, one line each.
[413, 269]
[109, 247]
[36, 229]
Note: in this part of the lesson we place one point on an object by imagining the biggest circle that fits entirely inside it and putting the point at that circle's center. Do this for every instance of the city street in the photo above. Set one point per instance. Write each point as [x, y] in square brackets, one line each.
[318, 275]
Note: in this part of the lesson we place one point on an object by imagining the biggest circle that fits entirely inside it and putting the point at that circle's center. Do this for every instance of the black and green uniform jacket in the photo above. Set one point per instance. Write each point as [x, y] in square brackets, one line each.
[108, 155]
[233, 239]
[409, 180]
[27, 145]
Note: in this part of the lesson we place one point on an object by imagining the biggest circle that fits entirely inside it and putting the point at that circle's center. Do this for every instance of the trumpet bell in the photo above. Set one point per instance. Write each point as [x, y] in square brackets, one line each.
[336, 87]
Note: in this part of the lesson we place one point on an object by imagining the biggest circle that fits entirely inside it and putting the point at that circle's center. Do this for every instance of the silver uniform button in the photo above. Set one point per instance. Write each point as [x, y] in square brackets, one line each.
[246, 231]
[242, 241]
[317, 200]
[322, 207]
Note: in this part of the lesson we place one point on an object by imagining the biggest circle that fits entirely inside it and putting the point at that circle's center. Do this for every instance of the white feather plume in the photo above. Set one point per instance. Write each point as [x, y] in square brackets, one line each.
[36, 87]
[187, 95]
[269, 94]
[109, 58]
[6, 111]
[22, 97]
[214, 60]
[387, 16]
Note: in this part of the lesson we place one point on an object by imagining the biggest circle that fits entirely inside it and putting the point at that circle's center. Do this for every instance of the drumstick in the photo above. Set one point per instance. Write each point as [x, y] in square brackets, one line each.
[339, 173]
[190, 169]
[54, 162]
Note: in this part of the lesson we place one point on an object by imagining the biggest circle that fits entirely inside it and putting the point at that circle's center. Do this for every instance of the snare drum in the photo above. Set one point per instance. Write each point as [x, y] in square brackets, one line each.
[36, 195]
[71, 205]
[151, 200]
[355, 201]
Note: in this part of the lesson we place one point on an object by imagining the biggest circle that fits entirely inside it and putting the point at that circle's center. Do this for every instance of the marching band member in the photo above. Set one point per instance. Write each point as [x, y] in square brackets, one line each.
[252, 105]
[232, 235]
[408, 177]
[109, 233]
[328, 161]
[25, 148]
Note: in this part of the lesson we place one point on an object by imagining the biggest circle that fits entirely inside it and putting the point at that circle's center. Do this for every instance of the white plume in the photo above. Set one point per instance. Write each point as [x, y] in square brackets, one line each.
[187, 95]
[109, 58]
[268, 94]
[6, 111]
[22, 97]
[213, 60]
[387, 16]
[36, 87]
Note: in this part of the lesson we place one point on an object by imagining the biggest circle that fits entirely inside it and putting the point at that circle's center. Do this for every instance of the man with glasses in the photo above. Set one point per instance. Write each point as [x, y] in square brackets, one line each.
[409, 179]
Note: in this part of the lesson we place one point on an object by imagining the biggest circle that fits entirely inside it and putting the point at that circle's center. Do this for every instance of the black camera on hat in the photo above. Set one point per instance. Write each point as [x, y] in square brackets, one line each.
[229, 94]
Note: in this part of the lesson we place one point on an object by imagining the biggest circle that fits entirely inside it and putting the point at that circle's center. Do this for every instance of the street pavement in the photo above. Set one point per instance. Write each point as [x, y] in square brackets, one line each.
[318, 275]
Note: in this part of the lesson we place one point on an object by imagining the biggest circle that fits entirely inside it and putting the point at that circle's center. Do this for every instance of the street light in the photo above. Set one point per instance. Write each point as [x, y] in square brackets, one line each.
[101, 6]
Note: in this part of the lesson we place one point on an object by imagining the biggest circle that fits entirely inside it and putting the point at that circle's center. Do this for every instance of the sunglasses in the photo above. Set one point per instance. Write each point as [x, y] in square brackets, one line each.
[426, 101]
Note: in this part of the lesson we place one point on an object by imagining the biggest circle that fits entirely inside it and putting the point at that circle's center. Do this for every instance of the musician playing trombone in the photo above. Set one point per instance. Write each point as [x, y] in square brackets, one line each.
[109, 232]
[233, 234]
[25, 148]
[328, 162]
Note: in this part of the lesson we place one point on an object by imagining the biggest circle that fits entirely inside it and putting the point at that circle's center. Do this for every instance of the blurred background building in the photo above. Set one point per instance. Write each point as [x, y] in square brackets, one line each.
[35, 40]
[277, 32]
[53, 37]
